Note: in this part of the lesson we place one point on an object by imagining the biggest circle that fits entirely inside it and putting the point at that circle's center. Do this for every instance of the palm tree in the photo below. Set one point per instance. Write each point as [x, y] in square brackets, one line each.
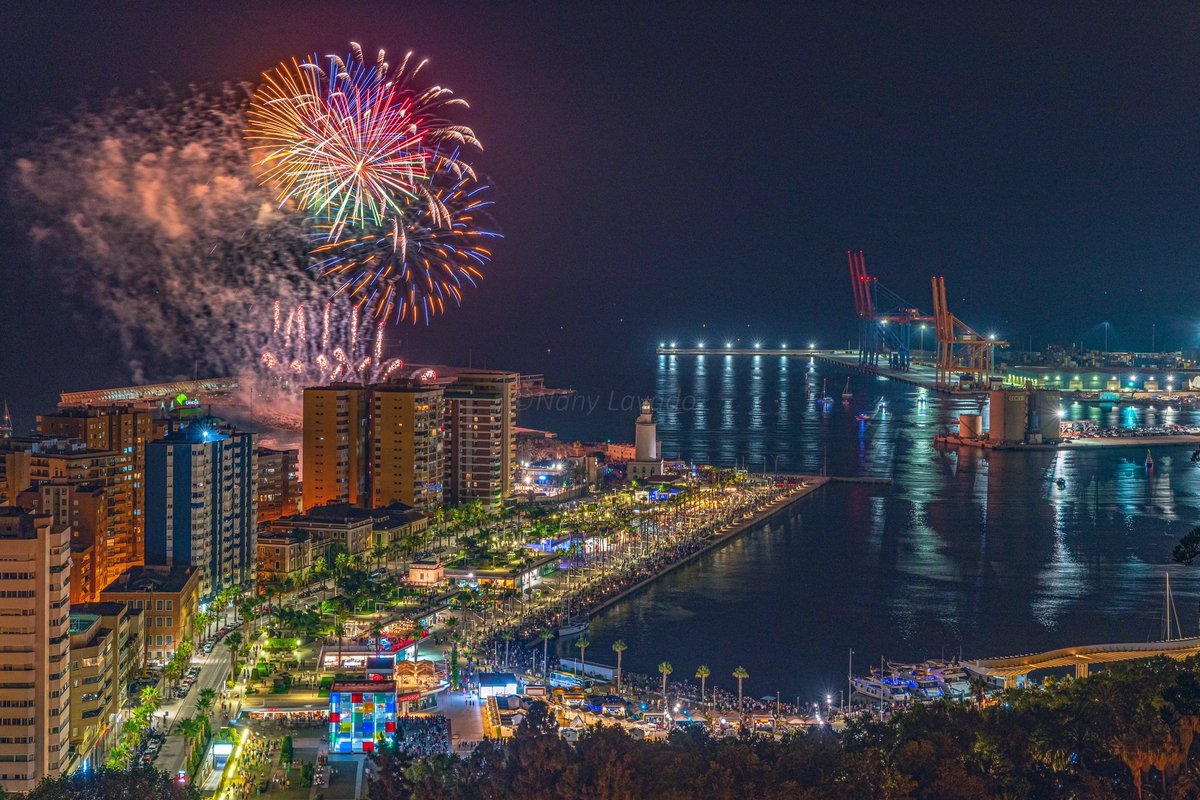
[377, 633]
[339, 628]
[150, 697]
[507, 636]
[702, 672]
[665, 669]
[546, 636]
[741, 675]
[246, 609]
[191, 729]
[233, 641]
[582, 643]
[205, 703]
[619, 647]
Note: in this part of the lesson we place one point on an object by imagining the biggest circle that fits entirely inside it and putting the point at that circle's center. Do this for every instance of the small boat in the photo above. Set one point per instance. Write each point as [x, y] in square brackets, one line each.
[862, 416]
[1061, 483]
[573, 628]
[1149, 460]
[846, 395]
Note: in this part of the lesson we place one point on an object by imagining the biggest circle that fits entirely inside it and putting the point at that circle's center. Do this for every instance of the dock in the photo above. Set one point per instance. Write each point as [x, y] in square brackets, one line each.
[918, 374]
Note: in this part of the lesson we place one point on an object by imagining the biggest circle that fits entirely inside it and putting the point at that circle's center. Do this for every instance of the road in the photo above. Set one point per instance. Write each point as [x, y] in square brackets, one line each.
[213, 669]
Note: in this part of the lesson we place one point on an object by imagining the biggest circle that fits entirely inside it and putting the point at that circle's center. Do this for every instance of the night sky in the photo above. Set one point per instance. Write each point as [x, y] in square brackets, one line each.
[661, 167]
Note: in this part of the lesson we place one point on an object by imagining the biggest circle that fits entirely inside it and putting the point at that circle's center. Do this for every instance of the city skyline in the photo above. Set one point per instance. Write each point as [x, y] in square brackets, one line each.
[984, 147]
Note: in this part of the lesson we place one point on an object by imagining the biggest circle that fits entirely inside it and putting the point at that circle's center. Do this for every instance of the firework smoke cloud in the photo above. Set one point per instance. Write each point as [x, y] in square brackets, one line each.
[148, 204]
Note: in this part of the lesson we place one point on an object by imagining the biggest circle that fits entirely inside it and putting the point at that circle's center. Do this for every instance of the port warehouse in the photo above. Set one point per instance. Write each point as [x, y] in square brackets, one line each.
[1102, 379]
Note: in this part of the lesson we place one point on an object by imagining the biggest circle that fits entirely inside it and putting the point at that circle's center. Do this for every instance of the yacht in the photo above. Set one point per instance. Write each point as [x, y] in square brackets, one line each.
[846, 392]
[573, 627]
[921, 682]
[886, 689]
[953, 678]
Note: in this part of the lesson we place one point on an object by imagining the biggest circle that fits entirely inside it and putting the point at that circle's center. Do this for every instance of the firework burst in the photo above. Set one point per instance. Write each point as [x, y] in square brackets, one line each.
[363, 149]
[411, 267]
[351, 142]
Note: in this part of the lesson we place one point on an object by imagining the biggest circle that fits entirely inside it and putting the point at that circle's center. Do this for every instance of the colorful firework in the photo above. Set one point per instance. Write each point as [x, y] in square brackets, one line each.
[413, 266]
[350, 142]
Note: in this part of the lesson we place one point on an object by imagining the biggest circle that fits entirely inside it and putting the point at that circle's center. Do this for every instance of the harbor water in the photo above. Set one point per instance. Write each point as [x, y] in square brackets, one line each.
[965, 551]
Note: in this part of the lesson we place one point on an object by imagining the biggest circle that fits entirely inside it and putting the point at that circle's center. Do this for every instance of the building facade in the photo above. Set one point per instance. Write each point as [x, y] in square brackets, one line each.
[286, 554]
[335, 445]
[480, 436]
[35, 607]
[278, 483]
[167, 597]
[88, 489]
[121, 430]
[201, 503]
[336, 523]
[406, 463]
[107, 642]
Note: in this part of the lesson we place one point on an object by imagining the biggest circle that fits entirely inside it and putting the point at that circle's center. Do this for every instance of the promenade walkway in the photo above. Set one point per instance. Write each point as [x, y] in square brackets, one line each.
[1011, 668]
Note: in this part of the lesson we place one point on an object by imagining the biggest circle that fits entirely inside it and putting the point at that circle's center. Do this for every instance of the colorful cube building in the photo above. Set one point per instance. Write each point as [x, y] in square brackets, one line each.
[362, 714]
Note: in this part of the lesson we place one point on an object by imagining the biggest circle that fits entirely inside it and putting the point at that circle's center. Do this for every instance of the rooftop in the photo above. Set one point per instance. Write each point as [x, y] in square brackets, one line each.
[166, 580]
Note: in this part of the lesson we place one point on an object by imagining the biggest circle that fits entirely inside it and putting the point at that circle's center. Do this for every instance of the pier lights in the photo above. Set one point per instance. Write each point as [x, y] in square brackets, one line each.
[812, 345]
[672, 345]
[662, 344]
[992, 336]
[729, 345]
[783, 345]
[699, 345]
[758, 345]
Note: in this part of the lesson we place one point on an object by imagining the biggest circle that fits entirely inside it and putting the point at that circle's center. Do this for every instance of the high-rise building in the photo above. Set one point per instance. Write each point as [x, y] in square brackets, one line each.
[480, 442]
[35, 606]
[335, 445]
[370, 446]
[406, 463]
[88, 489]
[278, 483]
[201, 498]
[123, 430]
[84, 508]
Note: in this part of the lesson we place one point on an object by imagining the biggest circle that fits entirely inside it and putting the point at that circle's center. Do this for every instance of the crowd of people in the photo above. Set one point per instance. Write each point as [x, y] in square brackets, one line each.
[258, 752]
[424, 736]
[666, 541]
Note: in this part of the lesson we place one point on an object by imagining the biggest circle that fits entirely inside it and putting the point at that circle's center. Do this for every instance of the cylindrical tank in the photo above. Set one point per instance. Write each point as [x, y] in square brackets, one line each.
[970, 426]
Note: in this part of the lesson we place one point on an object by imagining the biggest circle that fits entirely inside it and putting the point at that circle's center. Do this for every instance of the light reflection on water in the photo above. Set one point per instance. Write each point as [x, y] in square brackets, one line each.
[964, 549]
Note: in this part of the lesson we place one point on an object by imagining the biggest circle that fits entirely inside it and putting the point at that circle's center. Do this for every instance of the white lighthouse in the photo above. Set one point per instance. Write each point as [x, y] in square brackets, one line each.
[648, 461]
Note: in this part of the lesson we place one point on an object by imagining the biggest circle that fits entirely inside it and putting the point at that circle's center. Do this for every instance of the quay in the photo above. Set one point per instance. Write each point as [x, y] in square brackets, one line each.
[720, 539]
[1081, 443]
[918, 374]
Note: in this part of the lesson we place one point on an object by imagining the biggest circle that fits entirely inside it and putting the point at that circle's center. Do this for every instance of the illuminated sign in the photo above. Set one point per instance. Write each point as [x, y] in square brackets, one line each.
[183, 401]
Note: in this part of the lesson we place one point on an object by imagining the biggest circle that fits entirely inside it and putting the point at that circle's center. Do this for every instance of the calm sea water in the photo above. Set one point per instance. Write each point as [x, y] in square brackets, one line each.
[963, 550]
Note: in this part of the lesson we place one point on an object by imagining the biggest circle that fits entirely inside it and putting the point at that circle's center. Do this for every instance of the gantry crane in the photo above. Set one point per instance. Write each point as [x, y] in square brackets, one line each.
[885, 320]
[960, 349]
